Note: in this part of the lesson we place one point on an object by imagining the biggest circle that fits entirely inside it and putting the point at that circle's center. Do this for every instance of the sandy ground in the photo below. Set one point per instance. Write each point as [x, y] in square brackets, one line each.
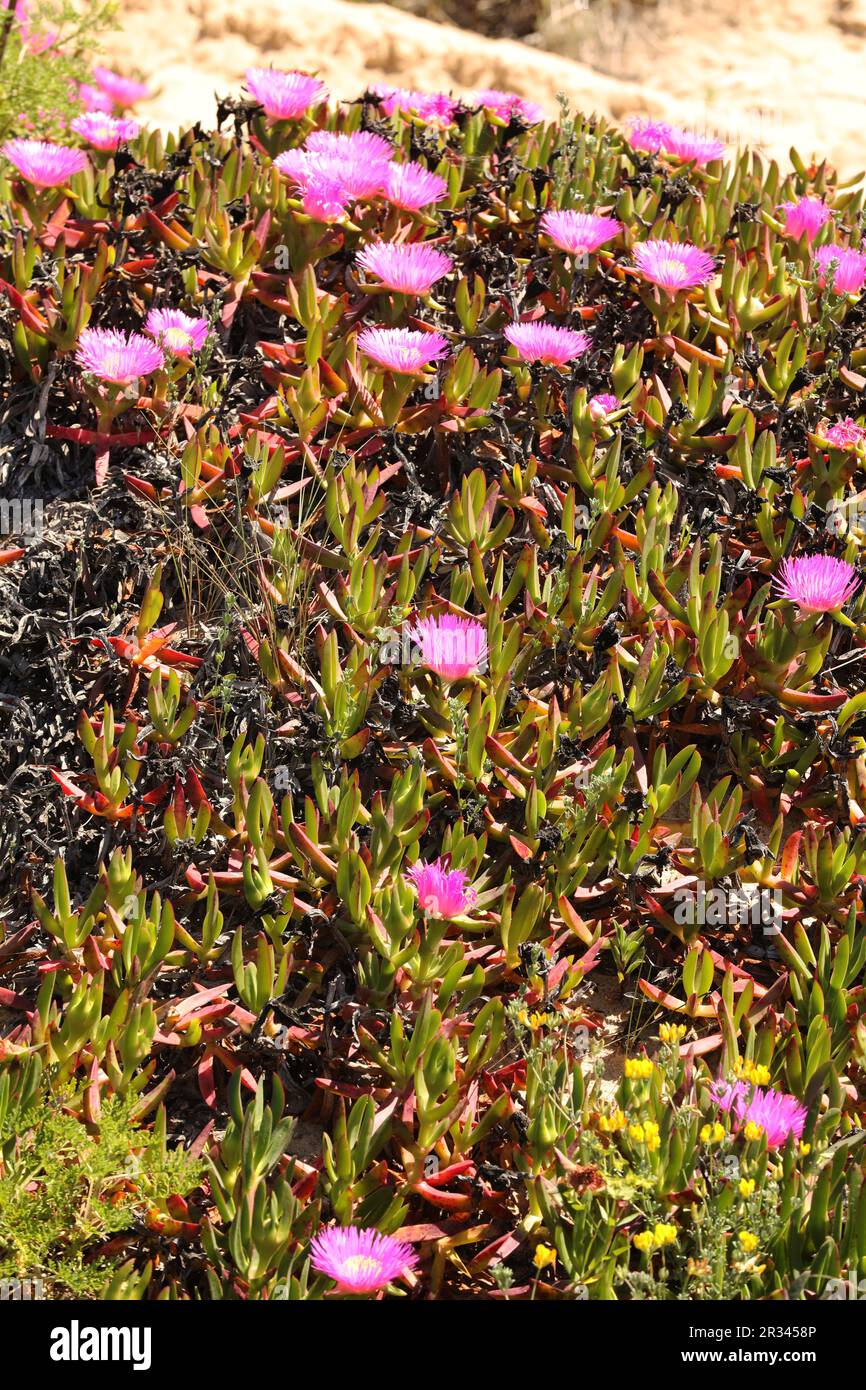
[787, 72]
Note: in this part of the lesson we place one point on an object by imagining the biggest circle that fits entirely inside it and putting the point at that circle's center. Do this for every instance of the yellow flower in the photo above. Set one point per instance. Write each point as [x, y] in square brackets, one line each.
[756, 1072]
[544, 1255]
[523, 1017]
[672, 1032]
[805, 1148]
[643, 1241]
[712, 1134]
[747, 1187]
[636, 1132]
[609, 1124]
[638, 1068]
[664, 1234]
[751, 1130]
[538, 1020]
[749, 1241]
[651, 1135]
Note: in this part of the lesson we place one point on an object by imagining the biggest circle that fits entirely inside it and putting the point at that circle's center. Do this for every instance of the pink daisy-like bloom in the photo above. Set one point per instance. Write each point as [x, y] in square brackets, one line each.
[325, 200]
[361, 1261]
[175, 331]
[602, 405]
[434, 108]
[357, 176]
[442, 892]
[408, 267]
[845, 434]
[43, 164]
[361, 144]
[94, 99]
[546, 342]
[778, 1114]
[124, 91]
[674, 265]
[104, 132]
[850, 272]
[816, 583]
[505, 105]
[285, 96]
[805, 216]
[117, 357]
[452, 647]
[579, 233]
[411, 187]
[658, 137]
[403, 350]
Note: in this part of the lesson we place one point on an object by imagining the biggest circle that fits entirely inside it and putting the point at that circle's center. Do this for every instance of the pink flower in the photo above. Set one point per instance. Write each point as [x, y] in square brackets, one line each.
[778, 1114]
[285, 96]
[361, 144]
[656, 137]
[117, 357]
[674, 265]
[356, 175]
[452, 647]
[442, 892]
[411, 187]
[579, 233]
[409, 267]
[44, 164]
[175, 331]
[816, 583]
[603, 405]
[845, 434]
[361, 1261]
[325, 200]
[95, 99]
[850, 271]
[545, 342]
[122, 90]
[807, 215]
[506, 105]
[434, 108]
[104, 132]
[402, 349]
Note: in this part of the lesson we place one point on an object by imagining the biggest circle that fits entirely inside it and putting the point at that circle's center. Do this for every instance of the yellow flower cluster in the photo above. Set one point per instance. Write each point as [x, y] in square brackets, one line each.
[534, 1020]
[749, 1241]
[712, 1134]
[647, 1132]
[638, 1068]
[672, 1032]
[754, 1072]
[610, 1124]
[544, 1255]
[747, 1187]
[752, 1131]
[662, 1234]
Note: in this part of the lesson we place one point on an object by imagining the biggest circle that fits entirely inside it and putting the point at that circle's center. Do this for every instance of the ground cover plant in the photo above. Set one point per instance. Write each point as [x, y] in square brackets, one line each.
[432, 628]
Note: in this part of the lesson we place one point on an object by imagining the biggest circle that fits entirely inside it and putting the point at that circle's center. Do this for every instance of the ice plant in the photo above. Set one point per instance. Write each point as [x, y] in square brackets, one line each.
[94, 99]
[507, 105]
[452, 647]
[360, 1260]
[434, 108]
[546, 342]
[43, 164]
[442, 891]
[776, 1114]
[579, 233]
[104, 132]
[816, 583]
[175, 331]
[408, 267]
[850, 268]
[285, 96]
[658, 137]
[360, 144]
[325, 200]
[805, 217]
[411, 187]
[602, 405]
[123, 91]
[673, 265]
[117, 357]
[404, 350]
[356, 174]
[844, 434]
